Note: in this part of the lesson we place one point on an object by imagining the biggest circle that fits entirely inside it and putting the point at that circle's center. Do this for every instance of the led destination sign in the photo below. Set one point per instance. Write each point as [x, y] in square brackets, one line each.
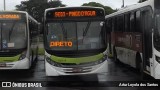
[9, 16]
[90, 13]
[61, 44]
[77, 13]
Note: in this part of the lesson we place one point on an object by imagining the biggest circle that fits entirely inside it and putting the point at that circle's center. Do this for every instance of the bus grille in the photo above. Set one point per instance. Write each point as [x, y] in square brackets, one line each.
[77, 70]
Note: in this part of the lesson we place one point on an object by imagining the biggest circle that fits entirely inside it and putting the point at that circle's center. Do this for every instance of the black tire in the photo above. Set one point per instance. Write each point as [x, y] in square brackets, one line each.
[139, 65]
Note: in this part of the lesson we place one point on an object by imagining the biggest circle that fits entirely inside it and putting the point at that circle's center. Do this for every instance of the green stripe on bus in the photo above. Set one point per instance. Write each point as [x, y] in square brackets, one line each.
[9, 59]
[77, 60]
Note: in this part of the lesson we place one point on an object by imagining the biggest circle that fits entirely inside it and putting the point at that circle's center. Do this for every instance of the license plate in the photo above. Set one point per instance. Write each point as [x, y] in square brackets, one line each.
[2, 64]
[77, 70]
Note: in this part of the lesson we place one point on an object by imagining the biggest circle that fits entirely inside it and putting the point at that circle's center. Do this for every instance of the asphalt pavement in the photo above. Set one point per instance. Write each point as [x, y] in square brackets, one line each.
[117, 73]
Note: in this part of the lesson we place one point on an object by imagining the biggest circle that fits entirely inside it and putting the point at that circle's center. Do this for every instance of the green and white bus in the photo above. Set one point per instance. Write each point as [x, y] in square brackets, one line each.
[74, 41]
[18, 40]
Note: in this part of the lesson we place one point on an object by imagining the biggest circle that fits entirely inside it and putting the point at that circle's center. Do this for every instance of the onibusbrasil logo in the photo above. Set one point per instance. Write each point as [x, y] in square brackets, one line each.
[19, 84]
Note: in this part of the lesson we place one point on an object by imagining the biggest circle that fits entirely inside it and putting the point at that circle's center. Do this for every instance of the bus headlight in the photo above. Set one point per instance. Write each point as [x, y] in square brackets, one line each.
[23, 55]
[158, 59]
[50, 61]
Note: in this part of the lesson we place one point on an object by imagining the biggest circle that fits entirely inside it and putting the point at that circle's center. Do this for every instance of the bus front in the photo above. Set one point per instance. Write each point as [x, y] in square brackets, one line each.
[74, 41]
[155, 63]
[13, 40]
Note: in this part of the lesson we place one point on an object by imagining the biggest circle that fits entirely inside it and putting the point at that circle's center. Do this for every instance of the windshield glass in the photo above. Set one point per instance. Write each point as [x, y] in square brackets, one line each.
[75, 35]
[157, 33]
[12, 35]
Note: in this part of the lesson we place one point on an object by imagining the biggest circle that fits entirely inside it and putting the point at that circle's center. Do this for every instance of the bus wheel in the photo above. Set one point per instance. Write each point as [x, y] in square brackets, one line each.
[138, 62]
[115, 55]
[139, 66]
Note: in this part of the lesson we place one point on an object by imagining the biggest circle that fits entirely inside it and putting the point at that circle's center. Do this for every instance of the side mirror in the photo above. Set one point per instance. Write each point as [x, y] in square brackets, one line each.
[101, 24]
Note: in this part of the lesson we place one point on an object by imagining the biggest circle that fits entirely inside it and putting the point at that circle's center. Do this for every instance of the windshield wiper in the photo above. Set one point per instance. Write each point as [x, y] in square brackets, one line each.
[86, 30]
[64, 31]
[10, 32]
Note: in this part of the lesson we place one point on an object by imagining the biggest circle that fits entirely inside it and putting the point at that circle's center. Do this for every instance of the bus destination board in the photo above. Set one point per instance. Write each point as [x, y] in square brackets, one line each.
[10, 16]
[61, 14]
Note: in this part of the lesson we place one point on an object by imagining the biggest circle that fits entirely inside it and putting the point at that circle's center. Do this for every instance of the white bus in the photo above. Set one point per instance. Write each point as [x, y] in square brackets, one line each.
[134, 36]
[18, 40]
[74, 41]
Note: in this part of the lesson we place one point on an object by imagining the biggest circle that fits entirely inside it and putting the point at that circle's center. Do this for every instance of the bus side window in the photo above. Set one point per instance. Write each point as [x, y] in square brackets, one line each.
[132, 22]
[127, 22]
[33, 29]
[120, 23]
[109, 25]
[113, 24]
[138, 18]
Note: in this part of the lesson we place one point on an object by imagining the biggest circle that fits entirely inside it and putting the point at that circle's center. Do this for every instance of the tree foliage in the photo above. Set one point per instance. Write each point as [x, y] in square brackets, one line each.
[108, 10]
[36, 9]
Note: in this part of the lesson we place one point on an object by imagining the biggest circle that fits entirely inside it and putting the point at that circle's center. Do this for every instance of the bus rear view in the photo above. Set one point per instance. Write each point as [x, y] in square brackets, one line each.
[74, 41]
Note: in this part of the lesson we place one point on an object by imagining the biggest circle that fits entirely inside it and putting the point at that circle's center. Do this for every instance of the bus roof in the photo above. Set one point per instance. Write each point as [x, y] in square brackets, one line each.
[84, 7]
[23, 12]
[132, 7]
[15, 12]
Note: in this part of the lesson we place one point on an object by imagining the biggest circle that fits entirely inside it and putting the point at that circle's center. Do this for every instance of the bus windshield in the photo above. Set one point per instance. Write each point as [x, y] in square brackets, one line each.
[12, 35]
[75, 35]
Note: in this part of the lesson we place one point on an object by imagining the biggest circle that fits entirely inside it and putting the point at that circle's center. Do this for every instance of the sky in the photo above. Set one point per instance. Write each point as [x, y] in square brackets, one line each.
[10, 4]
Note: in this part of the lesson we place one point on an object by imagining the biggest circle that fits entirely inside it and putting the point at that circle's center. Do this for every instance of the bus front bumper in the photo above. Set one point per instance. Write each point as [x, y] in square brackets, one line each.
[21, 64]
[58, 71]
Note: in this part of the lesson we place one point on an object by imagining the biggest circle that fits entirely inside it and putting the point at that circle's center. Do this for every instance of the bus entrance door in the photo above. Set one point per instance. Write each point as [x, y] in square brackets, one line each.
[147, 40]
